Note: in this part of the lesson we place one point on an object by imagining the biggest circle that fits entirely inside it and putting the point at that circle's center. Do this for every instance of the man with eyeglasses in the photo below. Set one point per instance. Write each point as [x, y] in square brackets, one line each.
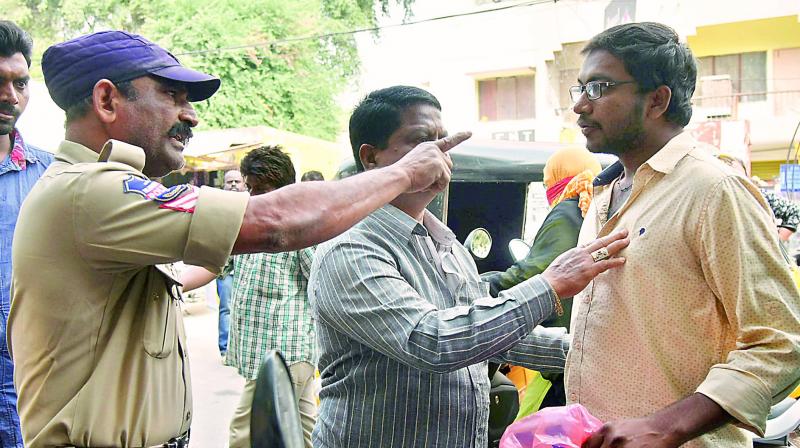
[697, 335]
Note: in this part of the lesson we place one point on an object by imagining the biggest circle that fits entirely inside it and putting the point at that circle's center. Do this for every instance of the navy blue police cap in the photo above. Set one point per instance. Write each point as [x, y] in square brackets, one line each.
[72, 68]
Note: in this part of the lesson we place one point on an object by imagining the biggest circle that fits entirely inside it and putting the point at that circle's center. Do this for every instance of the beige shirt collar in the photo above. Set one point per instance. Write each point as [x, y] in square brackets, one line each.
[75, 153]
[667, 158]
[113, 151]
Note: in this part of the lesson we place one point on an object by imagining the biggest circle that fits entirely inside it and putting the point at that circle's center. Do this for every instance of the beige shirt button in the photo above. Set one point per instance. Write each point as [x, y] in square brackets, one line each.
[587, 299]
[576, 345]
[573, 397]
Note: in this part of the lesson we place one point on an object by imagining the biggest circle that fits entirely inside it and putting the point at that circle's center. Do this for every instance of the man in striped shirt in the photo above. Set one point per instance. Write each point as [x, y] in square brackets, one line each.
[405, 326]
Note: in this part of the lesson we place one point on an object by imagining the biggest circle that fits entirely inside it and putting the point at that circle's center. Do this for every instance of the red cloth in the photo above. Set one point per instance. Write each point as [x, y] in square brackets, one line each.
[555, 191]
[17, 150]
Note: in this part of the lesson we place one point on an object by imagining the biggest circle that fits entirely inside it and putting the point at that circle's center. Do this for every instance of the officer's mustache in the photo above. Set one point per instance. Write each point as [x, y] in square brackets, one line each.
[181, 131]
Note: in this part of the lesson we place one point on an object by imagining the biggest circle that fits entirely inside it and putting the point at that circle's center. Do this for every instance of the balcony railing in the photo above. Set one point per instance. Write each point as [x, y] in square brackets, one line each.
[772, 102]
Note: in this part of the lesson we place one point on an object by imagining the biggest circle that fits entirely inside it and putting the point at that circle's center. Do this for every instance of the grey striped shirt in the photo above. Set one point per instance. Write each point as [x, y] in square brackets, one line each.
[405, 327]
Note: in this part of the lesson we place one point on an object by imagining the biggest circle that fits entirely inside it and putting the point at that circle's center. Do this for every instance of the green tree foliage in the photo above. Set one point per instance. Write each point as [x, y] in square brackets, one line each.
[289, 85]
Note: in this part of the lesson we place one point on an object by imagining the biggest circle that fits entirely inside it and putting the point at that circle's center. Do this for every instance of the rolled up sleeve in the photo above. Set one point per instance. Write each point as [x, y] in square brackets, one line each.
[753, 284]
[117, 230]
[214, 227]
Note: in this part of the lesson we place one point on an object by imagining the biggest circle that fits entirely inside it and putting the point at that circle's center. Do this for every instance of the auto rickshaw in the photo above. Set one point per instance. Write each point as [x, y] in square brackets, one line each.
[495, 185]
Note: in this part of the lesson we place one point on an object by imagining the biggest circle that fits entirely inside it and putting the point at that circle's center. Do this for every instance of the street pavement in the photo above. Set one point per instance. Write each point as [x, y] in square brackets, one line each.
[216, 388]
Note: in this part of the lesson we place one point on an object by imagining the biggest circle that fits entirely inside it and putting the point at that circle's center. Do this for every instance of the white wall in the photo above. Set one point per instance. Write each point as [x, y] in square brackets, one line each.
[42, 123]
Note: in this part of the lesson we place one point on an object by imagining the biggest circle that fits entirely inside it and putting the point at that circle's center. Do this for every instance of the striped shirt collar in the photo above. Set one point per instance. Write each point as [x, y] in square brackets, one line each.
[407, 226]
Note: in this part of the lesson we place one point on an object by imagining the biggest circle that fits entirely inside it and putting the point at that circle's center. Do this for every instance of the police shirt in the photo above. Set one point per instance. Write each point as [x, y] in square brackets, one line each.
[95, 326]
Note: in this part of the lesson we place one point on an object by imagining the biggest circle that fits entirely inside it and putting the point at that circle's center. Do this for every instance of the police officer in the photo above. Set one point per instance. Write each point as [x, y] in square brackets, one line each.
[95, 326]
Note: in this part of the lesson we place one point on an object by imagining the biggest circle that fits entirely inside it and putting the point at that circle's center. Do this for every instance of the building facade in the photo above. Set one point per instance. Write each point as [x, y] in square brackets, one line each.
[504, 72]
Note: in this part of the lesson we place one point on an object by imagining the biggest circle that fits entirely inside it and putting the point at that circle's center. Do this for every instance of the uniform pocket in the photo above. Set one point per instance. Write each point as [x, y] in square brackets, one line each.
[159, 313]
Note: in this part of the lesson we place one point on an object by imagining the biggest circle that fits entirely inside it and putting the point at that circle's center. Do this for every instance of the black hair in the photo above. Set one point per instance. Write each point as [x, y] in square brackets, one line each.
[13, 40]
[311, 176]
[654, 56]
[269, 164]
[80, 108]
[379, 115]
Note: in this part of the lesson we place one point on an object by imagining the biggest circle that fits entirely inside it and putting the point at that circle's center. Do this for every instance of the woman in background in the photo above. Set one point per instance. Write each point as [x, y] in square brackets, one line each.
[568, 177]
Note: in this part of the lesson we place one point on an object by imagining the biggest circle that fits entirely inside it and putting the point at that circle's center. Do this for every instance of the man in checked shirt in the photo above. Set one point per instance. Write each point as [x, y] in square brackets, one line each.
[405, 326]
[269, 305]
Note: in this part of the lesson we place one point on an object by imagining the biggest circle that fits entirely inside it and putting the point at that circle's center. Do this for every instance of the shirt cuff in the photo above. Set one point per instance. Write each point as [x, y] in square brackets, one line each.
[740, 394]
[215, 226]
[537, 298]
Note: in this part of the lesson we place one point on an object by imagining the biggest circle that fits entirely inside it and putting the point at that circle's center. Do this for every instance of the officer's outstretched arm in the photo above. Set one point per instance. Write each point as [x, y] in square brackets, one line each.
[308, 213]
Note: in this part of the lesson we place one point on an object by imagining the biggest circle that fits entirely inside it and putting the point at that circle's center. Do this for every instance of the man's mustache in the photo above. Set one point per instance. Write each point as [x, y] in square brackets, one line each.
[8, 109]
[182, 130]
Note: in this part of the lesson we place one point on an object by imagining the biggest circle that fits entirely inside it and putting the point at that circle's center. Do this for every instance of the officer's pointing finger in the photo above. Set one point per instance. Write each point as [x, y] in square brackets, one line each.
[447, 143]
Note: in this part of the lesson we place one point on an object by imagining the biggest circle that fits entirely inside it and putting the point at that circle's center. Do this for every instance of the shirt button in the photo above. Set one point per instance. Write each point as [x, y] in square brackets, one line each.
[188, 415]
[587, 299]
[576, 345]
[573, 397]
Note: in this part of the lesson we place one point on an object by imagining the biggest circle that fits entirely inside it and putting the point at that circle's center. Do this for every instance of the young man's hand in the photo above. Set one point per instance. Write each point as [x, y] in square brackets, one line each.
[670, 427]
[639, 432]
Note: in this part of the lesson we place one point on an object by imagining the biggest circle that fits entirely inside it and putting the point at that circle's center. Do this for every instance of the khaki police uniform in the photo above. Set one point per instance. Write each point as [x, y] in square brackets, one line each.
[95, 327]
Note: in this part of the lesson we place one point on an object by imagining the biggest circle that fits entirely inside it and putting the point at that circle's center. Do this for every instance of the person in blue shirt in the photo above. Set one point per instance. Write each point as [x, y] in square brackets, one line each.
[21, 165]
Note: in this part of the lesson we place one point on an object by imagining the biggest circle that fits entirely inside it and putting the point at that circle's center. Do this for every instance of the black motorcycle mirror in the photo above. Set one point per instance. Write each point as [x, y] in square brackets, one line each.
[479, 243]
[275, 419]
[519, 249]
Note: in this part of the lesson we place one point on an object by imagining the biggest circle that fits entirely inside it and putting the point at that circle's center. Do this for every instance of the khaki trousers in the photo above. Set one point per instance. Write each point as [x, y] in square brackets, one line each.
[303, 381]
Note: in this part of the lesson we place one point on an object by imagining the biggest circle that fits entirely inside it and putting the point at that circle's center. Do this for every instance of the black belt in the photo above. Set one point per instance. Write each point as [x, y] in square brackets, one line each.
[181, 441]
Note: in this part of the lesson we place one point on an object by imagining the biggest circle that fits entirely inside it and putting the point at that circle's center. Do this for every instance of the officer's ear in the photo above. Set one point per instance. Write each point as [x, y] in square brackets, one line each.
[366, 153]
[105, 101]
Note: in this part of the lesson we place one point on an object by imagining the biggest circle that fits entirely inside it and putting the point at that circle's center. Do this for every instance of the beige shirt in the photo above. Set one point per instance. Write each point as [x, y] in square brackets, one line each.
[95, 327]
[705, 301]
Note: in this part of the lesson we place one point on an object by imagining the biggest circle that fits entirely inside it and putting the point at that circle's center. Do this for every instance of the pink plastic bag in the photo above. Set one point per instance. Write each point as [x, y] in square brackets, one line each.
[561, 427]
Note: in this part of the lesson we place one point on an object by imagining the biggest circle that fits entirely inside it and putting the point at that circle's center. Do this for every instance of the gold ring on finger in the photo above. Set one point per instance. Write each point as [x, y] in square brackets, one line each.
[600, 254]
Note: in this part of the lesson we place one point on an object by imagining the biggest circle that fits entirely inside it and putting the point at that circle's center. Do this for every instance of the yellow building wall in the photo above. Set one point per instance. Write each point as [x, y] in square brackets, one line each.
[766, 170]
[746, 36]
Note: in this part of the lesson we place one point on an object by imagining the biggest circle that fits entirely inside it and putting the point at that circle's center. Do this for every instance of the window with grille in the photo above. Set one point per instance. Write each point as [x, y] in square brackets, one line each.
[507, 98]
[748, 72]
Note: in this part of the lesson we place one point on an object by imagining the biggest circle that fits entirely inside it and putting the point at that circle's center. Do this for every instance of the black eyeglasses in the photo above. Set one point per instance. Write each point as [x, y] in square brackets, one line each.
[593, 89]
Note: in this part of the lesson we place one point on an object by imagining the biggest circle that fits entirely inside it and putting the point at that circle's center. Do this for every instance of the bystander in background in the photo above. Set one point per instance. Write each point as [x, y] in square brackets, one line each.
[269, 305]
[568, 176]
[311, 176]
